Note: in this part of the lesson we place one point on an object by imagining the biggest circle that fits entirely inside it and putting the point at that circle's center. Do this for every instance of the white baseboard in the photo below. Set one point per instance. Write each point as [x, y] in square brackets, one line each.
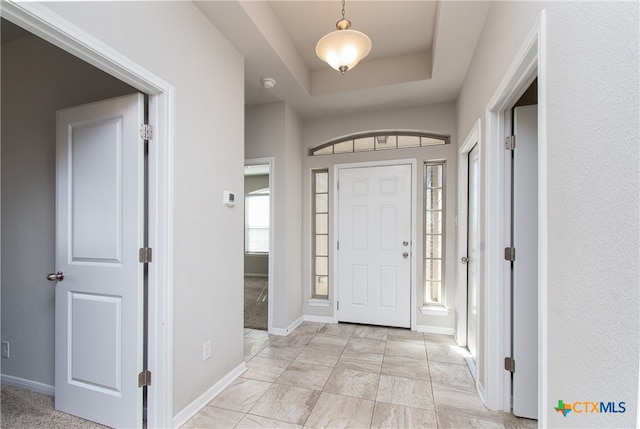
[279, 331]
[318, 319]
[193, 408]
[284, 332]
[28, 385]
[435, 330]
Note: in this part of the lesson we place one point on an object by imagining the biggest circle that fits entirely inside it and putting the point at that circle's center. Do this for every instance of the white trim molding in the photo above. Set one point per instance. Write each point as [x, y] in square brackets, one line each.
[543, 229]
[528, 64]
[473, 138]
[201, 401]
[23, 383]
[318, 303]
[286, 331]
[434, 310]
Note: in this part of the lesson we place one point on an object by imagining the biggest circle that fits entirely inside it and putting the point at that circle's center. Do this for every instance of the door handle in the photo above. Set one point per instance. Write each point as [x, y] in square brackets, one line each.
[464, 259]
[405, 255]
[53, 277]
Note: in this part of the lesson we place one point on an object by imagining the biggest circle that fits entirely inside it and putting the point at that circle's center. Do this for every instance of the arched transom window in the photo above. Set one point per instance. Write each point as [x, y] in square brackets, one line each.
[379, 140]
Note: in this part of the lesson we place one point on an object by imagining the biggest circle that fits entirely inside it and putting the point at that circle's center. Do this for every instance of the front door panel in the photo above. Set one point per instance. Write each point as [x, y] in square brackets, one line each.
[374, 232]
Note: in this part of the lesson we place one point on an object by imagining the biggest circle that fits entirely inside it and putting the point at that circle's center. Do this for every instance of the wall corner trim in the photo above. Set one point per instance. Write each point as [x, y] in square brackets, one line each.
[286, 331]
[194, 407]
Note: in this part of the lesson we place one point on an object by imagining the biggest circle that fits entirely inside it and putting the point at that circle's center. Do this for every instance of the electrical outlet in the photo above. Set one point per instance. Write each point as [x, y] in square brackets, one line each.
[5, 349]
[206, 350]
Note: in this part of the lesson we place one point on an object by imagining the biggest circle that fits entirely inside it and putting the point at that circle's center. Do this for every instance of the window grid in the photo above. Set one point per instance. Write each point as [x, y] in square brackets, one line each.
[378, 141]
[256, 223]
[434, 233]
[320, 234]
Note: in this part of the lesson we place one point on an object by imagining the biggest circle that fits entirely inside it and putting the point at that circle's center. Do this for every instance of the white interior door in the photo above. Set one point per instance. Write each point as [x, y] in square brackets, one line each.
[99, 229]
[374, 257]
[473, 274]
[525, 266]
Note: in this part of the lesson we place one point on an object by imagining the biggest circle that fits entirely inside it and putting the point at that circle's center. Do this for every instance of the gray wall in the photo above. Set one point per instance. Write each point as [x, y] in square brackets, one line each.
[440, 119]
[254, 183]
[37, 80]
[174, 41]
[256, 265]
[592, 177]
[274, 130]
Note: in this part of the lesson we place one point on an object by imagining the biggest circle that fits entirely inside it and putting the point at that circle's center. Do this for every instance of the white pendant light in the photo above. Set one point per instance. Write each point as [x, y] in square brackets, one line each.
[343, 49]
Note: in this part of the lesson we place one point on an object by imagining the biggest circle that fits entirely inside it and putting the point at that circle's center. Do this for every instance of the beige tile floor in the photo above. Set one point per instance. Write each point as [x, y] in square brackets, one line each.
[352, 376]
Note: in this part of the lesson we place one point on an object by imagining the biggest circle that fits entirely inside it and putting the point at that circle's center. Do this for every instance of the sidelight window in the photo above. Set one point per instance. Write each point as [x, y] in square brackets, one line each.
[434, 233]
[320, 234]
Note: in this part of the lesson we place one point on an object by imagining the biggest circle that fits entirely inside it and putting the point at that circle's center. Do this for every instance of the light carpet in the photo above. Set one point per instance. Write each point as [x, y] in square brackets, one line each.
[22, 409]
[256, 302]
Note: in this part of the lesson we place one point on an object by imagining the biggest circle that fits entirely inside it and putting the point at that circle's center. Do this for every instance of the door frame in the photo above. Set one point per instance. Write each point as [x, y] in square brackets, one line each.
[474, 137]
[271, 162]
[529, 62]
[333, 226]
[46, 24]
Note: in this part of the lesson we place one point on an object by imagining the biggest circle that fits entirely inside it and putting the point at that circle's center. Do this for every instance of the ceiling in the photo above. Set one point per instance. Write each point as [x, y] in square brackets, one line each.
[420, 55]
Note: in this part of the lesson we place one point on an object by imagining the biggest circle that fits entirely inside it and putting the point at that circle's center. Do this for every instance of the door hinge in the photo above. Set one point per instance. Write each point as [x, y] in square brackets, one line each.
[338, 305]
[144, 255]
[510, 254]
[510, 364]
[144, 378]
[510, 143]
[146, 133]
[338, 245]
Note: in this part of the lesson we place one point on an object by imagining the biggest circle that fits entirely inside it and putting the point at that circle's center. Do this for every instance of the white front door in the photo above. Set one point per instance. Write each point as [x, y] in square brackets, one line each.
[99, 229]
[525, 266]
[473, 274]
[374, 235]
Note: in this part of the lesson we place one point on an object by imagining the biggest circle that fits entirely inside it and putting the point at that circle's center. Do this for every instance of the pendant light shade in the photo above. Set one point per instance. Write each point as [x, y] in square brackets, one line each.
[344, 48]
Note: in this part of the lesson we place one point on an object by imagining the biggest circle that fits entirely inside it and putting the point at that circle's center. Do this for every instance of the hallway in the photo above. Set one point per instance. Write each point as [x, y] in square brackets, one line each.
[356, 376]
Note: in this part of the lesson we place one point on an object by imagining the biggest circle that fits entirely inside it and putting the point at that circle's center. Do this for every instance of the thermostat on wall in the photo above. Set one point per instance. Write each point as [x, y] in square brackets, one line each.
[229, 198]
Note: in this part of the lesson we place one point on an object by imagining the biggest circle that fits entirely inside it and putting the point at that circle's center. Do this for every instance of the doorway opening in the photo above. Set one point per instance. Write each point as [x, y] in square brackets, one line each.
[258, 244]
[523, 247]
[85, 49]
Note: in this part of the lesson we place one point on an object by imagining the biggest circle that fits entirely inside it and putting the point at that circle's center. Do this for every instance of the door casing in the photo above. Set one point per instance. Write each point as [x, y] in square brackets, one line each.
[529, 62]
[39, 20]
[333, 227]
[474, 137]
